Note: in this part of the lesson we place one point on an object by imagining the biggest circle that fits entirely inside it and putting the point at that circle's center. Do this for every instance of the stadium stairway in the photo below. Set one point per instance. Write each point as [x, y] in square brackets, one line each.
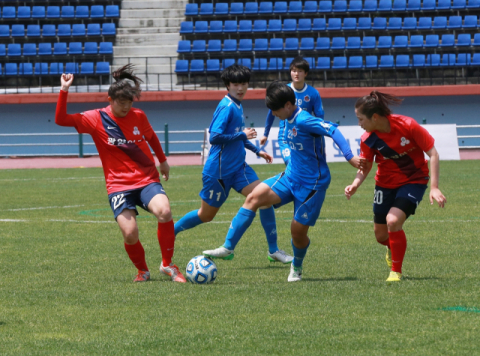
[148, 36]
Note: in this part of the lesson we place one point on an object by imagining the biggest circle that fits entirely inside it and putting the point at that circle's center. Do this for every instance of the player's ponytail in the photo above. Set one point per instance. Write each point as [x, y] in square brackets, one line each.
[376, 103]
[126, 86]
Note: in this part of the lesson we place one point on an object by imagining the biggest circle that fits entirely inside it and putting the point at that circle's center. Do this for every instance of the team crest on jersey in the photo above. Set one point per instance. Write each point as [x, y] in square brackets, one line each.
[404, 141]
[306, 99]
[135, 131]
[294, 132]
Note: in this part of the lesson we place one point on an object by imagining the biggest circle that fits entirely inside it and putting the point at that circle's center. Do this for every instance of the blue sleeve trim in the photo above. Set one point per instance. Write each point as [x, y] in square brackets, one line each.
[250, 146]
[268, 123]
[218, 138]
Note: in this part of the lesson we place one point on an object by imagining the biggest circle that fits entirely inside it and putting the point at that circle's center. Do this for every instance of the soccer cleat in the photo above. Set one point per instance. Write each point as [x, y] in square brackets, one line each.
[388, 258]
[142, 276]
[280, 256]
[295, 274]
[220, 252]
[394, 277]
[173, 272]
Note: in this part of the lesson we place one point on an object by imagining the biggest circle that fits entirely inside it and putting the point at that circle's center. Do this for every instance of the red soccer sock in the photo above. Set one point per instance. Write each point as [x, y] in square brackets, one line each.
[166, 239]
[137, 255]
[398, 245]
[385, 243]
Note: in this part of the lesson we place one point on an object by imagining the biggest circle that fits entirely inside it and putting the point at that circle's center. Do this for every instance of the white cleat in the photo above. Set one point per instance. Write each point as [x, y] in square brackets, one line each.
[220, 252]
[295, 274]
[280, 256]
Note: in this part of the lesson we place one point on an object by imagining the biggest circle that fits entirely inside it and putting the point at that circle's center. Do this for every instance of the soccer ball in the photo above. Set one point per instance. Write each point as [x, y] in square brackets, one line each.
[201, 270]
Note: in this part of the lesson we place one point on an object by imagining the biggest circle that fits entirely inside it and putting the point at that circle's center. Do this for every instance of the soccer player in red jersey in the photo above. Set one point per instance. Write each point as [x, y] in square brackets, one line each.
[123, 137]
[397, 144]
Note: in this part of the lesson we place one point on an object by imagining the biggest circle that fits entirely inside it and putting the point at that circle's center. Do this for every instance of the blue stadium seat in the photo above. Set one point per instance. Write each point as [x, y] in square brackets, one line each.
[369, 42]
[216, 27]
[334, 24]
[384, 42]
[409, 23]
[181, 66]
[459, 4]
[45, 49]
[349, 23]
[323, 43]
[310, 7]
[29, 49]
[236, 8]
[86, 68]
[245, 26]
[227, 62]
[355, 6]
[340, 6]
[429, 5]
[280, 7]
[64, 30]
[289, 25]
[364, 23]
[416, 41]
[59, 48]
[288, 61]
[325, 6]
[443, 5]
[260, 64]
[310, 61]
[199, 46]
[470, 21]
[201, 27]
[464, 40]
[206, 8]
[221, 8]
[191, 10]
[186, 27]
[276, 44]
[230, 26]
[9, 12]
[229, 45]
[386, 61]
[109, 29]
[291, 44]
[93, 29]
[473, 4]
[275, 64]
[3, 50]
[353, 43]
[97, 11]
[379, 23]
[251, 8]
[448, 40]
[295, 7]
[307, 44]
[399, 5]
[274, 25]
[304, 25]
[454, 22]
[68, 12]
[418, 60]
[339, 63]
[394, 23]
[214, 46]
[476, 40]
[53, 12]
[439, 22]
[338, 43]
[385, 5]
[79, 29]
[41, 68]
[102, 68]
[319, 24]
[355, 62]
[424, 23]
[431, 41]
[475, 59]
[413, 5]
[448, 59]
[402, 61]
[90, 48]
[5, 30]
[245, 45]
[82, 12]
[75, 48]
[18, 30]
[400, 42]
[112, 11]
[323, 63]
[213, 65]
[370, 6]
[463, 59]
[197, 66]
[260, 44]
[11, 69]
[433, 60]
[33, 31]
[38, 12]
[56, 68]
[49, 31]
[265, 7]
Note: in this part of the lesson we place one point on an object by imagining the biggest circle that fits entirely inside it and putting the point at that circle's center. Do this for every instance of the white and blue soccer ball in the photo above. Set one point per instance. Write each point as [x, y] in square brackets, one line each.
[201, 270]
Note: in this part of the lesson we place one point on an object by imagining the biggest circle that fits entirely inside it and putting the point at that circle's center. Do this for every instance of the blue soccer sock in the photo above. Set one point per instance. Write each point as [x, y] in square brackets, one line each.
[299, 254]
[190, 220]
[239, 225]
[267, 218]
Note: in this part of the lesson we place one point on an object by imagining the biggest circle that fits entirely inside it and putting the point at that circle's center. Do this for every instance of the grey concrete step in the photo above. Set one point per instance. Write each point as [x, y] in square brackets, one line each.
[154, 4]
[145, 51]
[151, 22]
[146, 30]
[152, 13]
[152, 39]
[142, 61]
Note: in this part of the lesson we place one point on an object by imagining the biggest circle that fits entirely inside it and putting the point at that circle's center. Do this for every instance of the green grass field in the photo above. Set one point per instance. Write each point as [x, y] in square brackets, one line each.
[66, 282]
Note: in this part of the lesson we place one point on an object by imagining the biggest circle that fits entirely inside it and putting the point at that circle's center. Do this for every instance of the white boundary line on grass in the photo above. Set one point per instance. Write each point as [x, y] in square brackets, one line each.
[49, 179]
[45, 207]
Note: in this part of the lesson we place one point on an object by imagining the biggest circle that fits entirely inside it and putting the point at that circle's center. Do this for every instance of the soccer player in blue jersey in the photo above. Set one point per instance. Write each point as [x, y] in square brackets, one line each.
[305, 179]
[307, 98]
[226, 167]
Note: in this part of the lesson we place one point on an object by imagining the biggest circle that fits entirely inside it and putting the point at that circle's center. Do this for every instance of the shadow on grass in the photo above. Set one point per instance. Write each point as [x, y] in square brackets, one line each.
[2, 323]
[265, 267]
[421, 278]
[339, 279]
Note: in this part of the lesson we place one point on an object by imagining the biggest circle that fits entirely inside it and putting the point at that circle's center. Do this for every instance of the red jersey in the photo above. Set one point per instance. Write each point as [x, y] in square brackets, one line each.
[121, 143]
[398, 153]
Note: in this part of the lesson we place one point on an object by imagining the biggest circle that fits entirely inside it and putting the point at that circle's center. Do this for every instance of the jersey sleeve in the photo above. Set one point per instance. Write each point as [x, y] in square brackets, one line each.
[152, 139]
[317, 126]
[220, 120]
[365, 151]
[318, 106]
[268, 123]
[421, 136]
[85, 122]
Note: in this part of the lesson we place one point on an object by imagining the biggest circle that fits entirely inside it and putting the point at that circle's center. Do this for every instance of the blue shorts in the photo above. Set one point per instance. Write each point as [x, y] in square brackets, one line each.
[307, 203]
[129, 199]
[406, 198]
[215, 191]
[284, 151]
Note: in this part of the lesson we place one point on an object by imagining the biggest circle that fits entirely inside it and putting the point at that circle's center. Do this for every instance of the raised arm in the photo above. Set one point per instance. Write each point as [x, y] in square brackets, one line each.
[61, 116]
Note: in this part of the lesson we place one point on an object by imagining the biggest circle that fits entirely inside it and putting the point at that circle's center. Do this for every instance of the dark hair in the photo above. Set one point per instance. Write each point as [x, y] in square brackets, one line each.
[376, 103]
[236, 73]
[278, 94]
[126, 86]
[300, 63]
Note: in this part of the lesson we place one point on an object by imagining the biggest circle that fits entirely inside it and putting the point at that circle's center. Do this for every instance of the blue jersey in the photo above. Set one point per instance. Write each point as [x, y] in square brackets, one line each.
[308, 99]
[304, 134]
[226, 158]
